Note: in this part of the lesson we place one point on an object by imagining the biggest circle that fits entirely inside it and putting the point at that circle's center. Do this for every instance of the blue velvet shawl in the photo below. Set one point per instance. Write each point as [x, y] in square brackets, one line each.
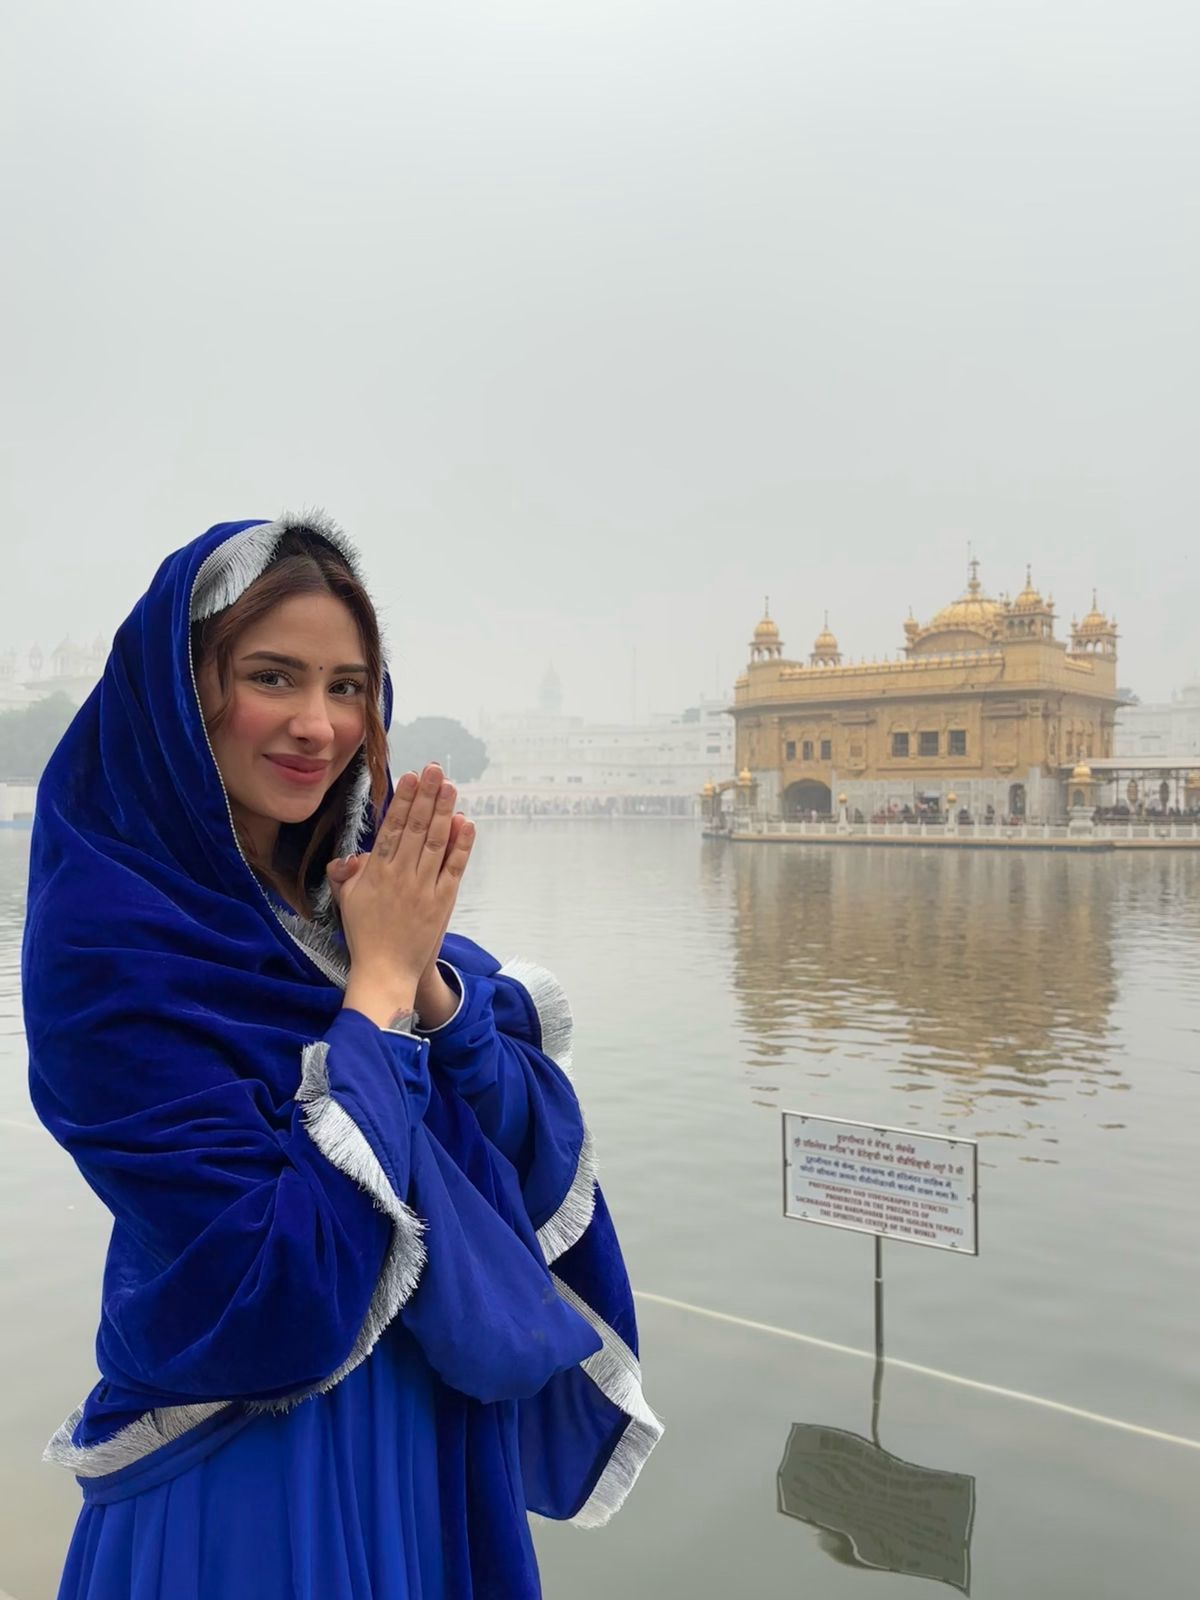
[285, 1179]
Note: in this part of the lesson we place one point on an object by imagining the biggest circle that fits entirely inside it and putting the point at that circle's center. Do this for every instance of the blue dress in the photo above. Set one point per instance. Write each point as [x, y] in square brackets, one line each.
[338, 1498]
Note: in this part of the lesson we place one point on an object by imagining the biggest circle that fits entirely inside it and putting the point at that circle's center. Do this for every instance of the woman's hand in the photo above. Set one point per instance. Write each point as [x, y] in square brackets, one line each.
[396, 902]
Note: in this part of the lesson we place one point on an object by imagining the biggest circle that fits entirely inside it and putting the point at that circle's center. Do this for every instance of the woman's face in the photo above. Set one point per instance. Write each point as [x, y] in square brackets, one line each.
[295, 718]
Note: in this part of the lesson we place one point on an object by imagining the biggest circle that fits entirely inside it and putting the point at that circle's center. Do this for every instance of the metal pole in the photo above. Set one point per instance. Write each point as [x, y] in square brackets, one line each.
[877, 1386]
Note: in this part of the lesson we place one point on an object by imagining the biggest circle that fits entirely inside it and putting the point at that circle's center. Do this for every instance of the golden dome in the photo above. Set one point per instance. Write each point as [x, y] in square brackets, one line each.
[1095, 621]
[825, 644]
[1082, 773]
[1192, 781]
[745, 777]
[973, 609]
[1029, 599]
[767, 631]
[709, 789]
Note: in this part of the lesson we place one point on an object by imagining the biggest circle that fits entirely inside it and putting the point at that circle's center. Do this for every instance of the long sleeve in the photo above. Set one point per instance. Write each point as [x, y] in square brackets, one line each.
[586, 1434]
[278, 1233]
[491, 1052]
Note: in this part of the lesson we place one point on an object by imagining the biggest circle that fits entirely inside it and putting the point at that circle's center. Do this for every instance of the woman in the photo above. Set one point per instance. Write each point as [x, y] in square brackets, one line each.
[338, 1144]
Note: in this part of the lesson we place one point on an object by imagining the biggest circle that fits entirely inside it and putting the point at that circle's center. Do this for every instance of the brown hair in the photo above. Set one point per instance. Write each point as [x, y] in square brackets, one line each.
[303, 563]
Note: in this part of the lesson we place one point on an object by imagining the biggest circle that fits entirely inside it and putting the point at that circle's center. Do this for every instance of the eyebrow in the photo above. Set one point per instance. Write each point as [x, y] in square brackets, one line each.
[296, 664]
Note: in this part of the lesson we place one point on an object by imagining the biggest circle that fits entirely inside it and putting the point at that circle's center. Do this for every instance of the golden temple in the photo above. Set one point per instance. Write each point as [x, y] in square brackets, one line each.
[984, 708]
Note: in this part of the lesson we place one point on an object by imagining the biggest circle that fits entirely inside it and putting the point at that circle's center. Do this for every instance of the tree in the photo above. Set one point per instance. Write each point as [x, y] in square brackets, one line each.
[463, 756]
[28, 736]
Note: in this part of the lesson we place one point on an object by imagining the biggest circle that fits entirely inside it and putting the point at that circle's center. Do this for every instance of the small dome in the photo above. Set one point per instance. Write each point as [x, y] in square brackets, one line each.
[745, 777]
[825, 644]
[709, 789]
[1095, 621]
[1029, 599]
[767, 630]
[1082, 773]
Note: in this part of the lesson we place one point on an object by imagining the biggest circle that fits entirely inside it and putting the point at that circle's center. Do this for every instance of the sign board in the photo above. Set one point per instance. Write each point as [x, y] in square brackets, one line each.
[896, 1516]
[921, 1188]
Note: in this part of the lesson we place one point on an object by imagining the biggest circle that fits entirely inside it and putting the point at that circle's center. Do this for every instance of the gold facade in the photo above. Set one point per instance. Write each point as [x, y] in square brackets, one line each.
[984, 703]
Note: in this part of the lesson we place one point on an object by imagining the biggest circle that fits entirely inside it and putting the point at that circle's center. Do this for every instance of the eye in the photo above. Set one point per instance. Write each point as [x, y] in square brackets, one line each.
[268, 673]
[347, 688]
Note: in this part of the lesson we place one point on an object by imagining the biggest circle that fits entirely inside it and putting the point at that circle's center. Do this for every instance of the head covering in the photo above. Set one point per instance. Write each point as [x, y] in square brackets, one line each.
[286, 1179]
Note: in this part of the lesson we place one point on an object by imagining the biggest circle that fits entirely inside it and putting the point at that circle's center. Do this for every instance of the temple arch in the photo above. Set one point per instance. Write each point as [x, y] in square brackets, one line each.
[800, 799]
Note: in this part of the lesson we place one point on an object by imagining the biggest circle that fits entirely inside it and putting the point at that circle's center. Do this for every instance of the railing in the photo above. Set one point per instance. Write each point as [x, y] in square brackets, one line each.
[967, 832]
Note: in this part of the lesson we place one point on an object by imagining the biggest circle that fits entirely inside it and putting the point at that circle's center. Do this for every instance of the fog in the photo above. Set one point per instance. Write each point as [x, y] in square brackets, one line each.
[592, 323]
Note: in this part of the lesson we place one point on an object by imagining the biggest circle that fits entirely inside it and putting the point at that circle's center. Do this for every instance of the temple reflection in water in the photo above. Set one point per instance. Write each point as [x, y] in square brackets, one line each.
[995, 969]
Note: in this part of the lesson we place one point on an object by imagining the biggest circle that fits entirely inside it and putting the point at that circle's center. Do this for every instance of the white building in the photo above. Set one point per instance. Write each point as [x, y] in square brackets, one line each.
[75, 670]
[14, 696]
[1168, 729]
[545, 762]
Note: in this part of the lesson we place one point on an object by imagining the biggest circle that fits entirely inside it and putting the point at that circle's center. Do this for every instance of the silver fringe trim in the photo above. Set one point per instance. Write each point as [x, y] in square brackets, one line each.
[358, 803]
[340, 1141]
[551, 1004]
[228, 571]
[130, 1443]
[614, 1368]
[319, 941]
[615, 1371]
[572, 1219]
[570, 1222]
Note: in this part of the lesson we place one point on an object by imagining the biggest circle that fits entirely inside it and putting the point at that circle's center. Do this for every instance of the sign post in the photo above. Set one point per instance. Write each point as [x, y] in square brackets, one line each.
[918, 1188]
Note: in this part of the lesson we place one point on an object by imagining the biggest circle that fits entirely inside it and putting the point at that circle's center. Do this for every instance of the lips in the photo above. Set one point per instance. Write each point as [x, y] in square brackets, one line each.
[299, 763]
[299, 769]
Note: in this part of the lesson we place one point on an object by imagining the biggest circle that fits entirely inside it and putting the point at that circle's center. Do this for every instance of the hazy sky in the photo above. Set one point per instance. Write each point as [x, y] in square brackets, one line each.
[592, 322]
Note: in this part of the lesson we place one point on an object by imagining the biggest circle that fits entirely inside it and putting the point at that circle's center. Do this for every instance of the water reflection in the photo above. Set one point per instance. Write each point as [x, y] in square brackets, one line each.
[994, 971]
[876, 1510]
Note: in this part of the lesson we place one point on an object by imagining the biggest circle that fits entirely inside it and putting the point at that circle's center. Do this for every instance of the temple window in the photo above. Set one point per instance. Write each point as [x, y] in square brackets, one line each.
[958, 741]
[928, 745]
[899, 744]
[806, 750]
[826, 749]
[789, 750]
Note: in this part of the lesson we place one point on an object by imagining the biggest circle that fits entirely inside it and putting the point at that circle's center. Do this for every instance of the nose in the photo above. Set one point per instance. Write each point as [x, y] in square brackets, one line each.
[310, 722]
